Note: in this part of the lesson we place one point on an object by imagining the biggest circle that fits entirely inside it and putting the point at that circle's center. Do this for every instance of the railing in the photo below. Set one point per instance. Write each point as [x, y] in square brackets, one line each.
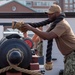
[31, 15]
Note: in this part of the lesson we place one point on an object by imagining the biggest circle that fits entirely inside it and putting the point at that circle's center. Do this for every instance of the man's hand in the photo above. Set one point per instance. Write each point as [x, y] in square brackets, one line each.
[27, 27]
[19, 26]
[22, 29]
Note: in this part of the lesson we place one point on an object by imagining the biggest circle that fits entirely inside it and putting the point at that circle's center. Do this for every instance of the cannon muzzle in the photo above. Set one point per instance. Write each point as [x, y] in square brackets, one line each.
[14, 50]
[15, 57]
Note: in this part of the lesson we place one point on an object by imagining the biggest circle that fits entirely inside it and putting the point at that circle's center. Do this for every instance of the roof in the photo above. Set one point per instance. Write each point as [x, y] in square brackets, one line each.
[3, 3]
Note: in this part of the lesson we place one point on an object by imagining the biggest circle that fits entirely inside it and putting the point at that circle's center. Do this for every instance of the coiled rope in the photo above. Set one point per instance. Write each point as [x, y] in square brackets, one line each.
[50, 42]
[12, 66]
[20, 70]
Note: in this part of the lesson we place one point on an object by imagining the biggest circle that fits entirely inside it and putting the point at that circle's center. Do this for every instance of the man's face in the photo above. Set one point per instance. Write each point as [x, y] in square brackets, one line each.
[52, 16]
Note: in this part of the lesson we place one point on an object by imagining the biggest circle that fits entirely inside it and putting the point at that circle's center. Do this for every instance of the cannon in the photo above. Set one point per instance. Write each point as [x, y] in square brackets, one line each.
[16, 56]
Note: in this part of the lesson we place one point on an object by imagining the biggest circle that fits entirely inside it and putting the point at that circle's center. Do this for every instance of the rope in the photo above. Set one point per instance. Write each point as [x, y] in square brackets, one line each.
[26, 71]
[49, 51]
[31, 72]
[5, 69]
[50, 42]
[20, 69]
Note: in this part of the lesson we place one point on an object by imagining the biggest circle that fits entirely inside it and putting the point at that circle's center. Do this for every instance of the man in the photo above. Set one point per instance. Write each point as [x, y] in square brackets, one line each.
[37, 43]
[64, 36]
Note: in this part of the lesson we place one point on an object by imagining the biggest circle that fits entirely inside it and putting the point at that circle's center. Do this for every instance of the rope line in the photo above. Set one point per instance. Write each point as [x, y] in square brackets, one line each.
[32, 72]
[12, 66]
[5, 69]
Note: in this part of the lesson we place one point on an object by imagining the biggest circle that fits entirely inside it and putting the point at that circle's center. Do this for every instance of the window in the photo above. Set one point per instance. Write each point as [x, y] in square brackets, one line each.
[71, 6]
[28, 3]
[66, 6]
[74, 5]
[66, 1]
[43, 3]
[71, 1]
[13, 8]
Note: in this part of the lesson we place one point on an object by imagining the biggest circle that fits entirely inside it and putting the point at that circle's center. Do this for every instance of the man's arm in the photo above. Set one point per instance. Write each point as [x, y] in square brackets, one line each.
[43, 35]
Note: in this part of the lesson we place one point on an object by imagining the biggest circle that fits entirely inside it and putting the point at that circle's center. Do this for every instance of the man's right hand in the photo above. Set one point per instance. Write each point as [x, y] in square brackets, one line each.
[19, 26]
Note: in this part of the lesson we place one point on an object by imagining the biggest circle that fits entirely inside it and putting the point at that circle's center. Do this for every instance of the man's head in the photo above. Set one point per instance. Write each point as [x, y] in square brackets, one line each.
[54, 11]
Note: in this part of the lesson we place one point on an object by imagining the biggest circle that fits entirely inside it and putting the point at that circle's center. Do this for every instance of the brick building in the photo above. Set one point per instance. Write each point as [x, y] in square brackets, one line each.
[15, 7]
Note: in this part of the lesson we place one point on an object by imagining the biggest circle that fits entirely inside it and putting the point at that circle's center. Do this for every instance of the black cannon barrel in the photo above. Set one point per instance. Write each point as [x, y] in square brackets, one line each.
[16, 51]
[15, 57]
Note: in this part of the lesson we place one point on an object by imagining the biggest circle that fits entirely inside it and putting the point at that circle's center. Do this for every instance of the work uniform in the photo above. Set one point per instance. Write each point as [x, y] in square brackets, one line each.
[66, 44]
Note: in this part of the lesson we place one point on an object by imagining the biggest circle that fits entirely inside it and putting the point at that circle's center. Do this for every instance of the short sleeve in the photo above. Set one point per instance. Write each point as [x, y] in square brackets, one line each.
[59, 29]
